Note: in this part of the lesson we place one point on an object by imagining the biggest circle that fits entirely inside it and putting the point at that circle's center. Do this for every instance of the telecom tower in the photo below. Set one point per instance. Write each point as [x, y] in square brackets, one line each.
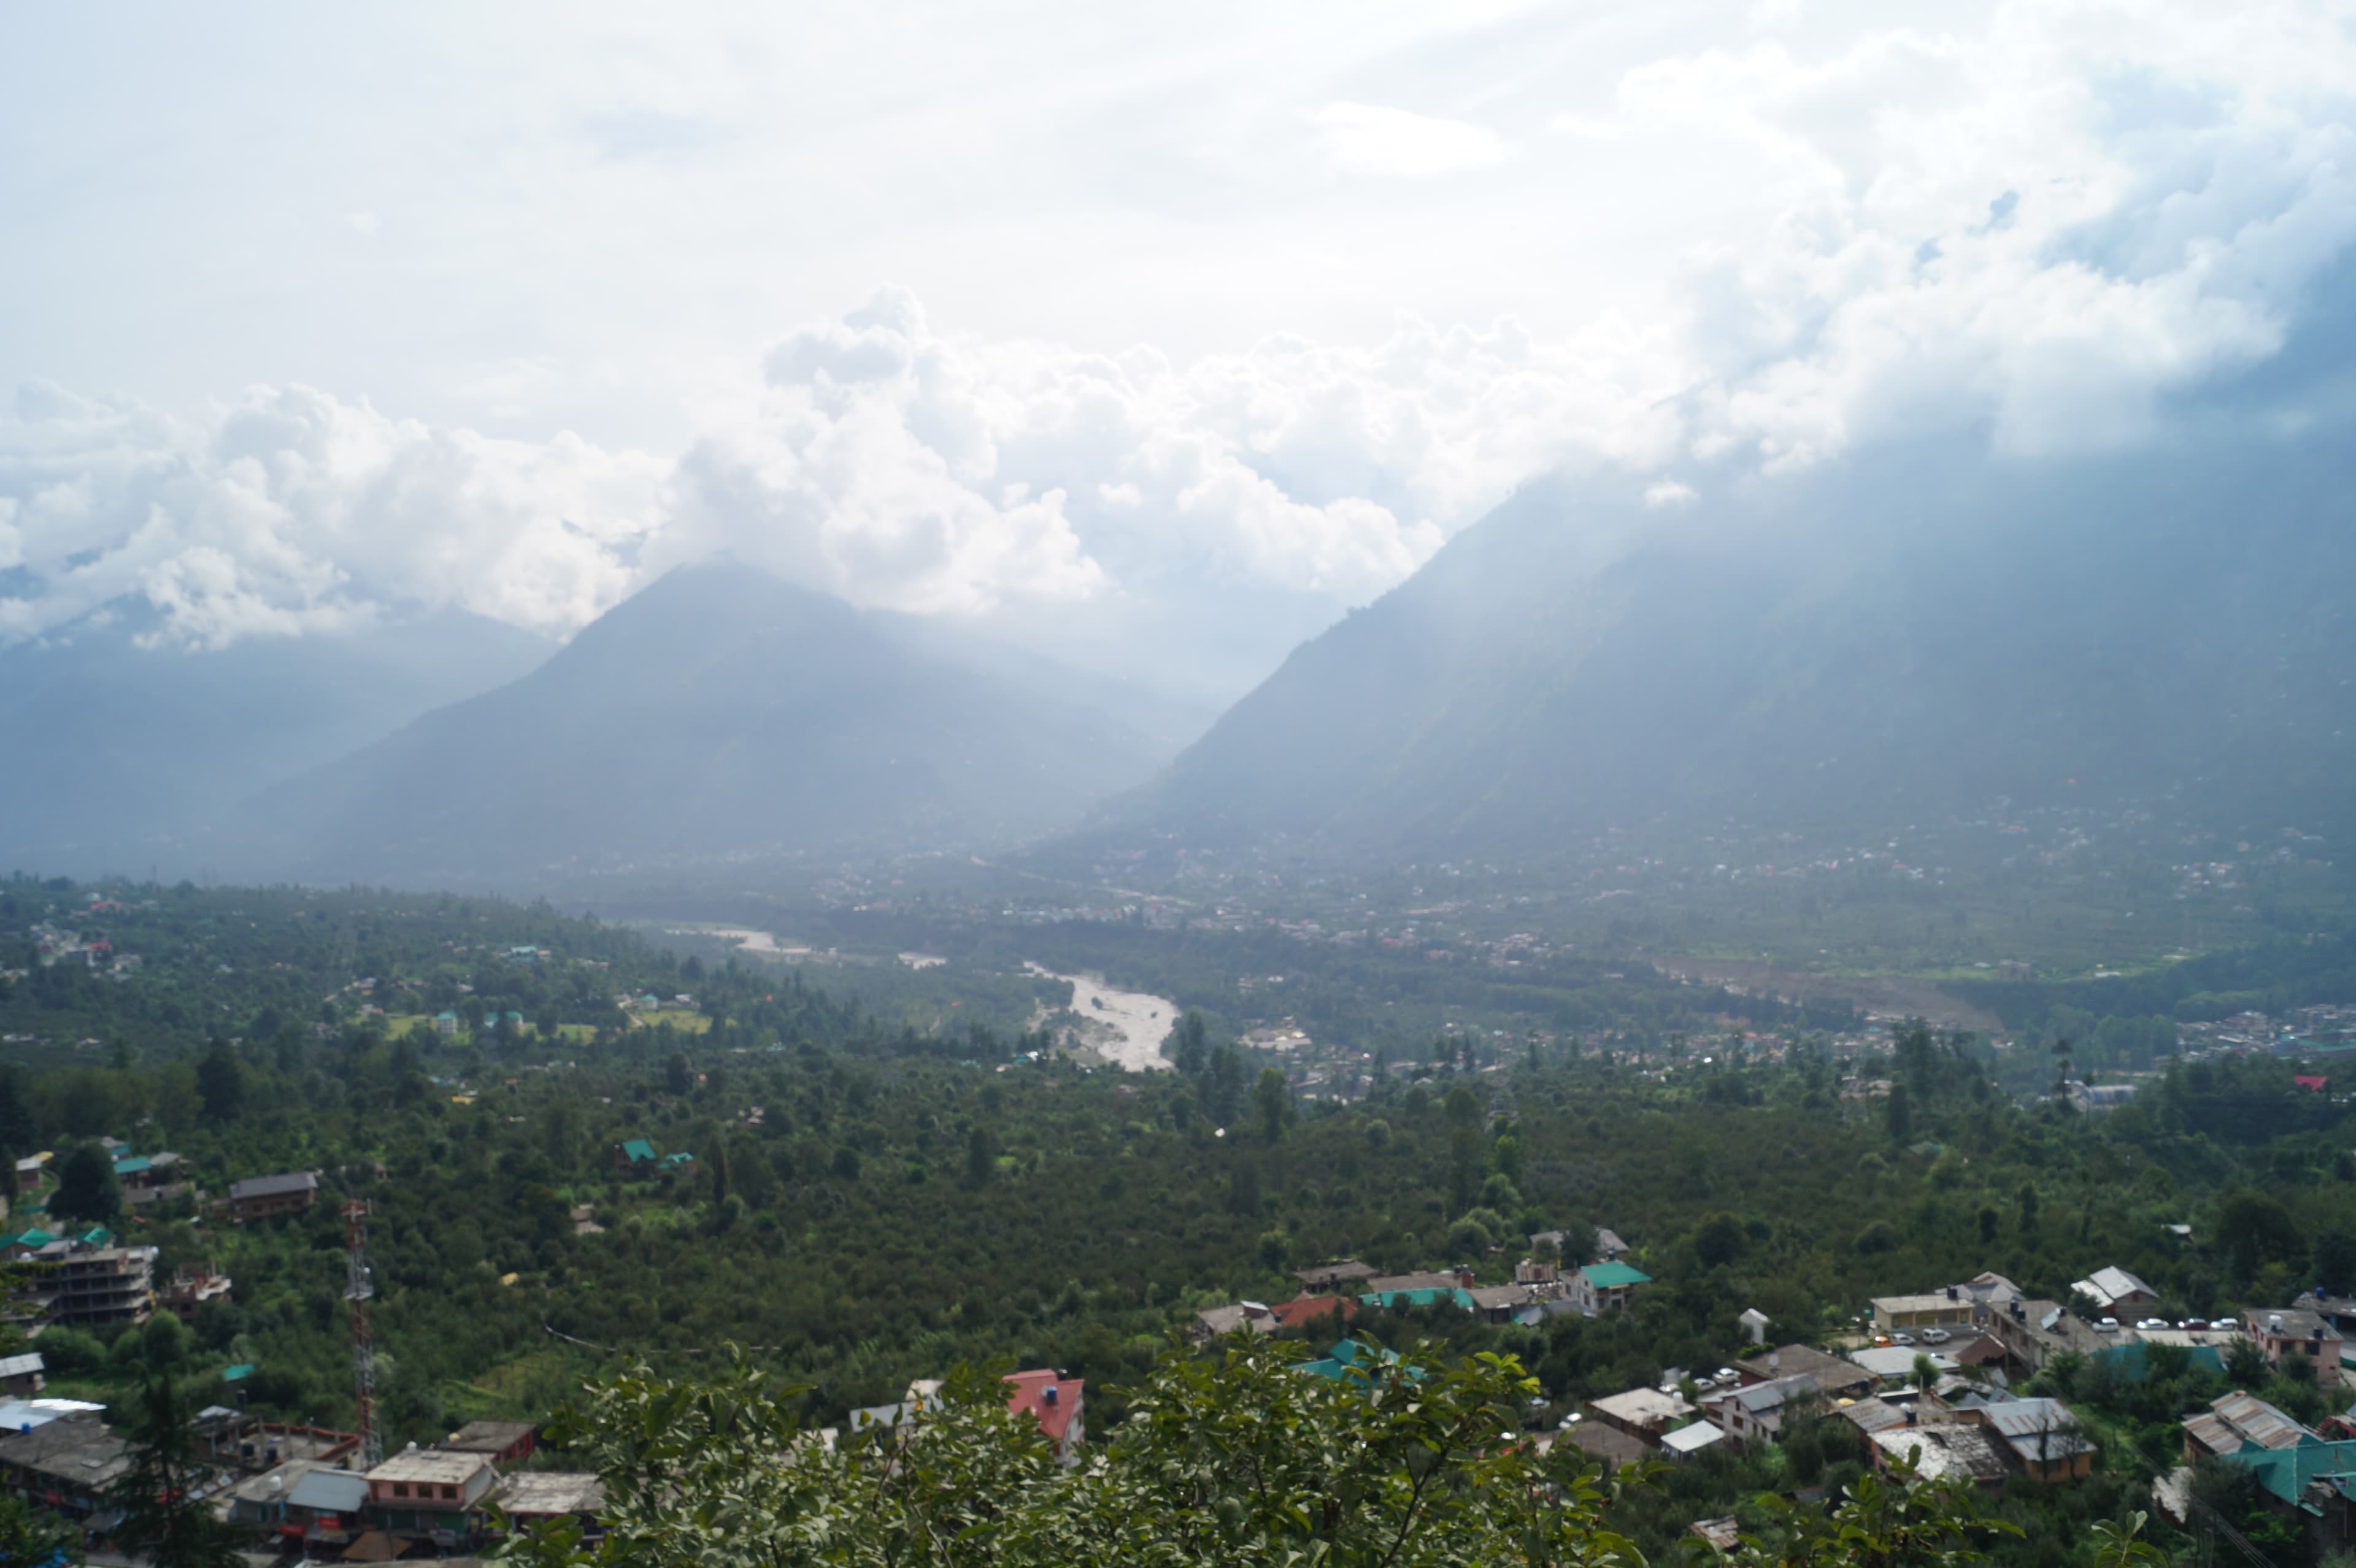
[355, 1216]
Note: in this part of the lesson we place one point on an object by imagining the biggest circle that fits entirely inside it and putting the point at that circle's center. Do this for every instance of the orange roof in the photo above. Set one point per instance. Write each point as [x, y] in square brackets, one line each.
[1048, 1394]
[1302, 1308]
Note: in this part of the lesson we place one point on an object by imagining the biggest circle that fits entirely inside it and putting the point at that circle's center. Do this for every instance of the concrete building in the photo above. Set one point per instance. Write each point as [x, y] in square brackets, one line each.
[2295, 1330]
[1933, 1309]
[98, 1285]
[266, 1197]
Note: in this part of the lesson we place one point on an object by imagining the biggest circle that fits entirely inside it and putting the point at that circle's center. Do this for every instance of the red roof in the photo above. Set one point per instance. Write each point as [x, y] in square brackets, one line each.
[1048, 1395]
[2312, 1085]
[1301, 1308]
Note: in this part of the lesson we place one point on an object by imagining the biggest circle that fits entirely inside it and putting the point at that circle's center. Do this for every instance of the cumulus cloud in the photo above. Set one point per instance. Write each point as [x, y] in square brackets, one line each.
[289, 511]
[1373, 139]
[2044, 224]
[2045, 227]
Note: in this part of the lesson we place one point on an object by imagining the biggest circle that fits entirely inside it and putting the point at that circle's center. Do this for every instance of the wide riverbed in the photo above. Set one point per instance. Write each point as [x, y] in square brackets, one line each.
[1126, 1028]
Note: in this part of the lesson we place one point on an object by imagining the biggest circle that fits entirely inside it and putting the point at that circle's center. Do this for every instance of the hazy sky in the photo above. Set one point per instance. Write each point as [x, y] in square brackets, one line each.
[1109, 329]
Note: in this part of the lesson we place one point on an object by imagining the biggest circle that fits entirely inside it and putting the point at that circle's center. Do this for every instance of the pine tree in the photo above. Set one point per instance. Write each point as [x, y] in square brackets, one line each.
[164, 1518]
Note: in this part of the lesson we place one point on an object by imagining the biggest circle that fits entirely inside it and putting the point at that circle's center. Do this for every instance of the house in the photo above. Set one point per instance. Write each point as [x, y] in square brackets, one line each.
[325, 1508]
[2237, 1421]
[1755, 1324]
[1506, 1303]
[1946, 1451]
[1302, 1309]
[1720, 1535]
[429, 1493]
[1836, 1376]
[1609, 1443]
[97, 1285]
[1870, 1415]
[1643, 1413]
[255, 1445]
[2040, 1436]
[2117, 1293]
[2310, 1484]
[635, 1157]
[67, 1464]
[1212, 1322]
[194, 1284]
[262, 1503]
[508, 1442]
[1608, 1244]
[2034, 1332]
[1755, 1413]
[1688, 1441]
[1059, 1404]
[1934, 1309]
[1330, 1278]
[2296, 1331]
[1605, 1286]
[1893, 1365]
[1393, 1284]
[536, 1497]
[923, 1396]
[266, 1197]
[445, 1024]
[21, 1375]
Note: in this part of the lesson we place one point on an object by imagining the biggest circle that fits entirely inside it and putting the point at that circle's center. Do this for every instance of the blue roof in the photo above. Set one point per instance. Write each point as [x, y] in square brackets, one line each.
[1397, 1298]
[2287, 1472]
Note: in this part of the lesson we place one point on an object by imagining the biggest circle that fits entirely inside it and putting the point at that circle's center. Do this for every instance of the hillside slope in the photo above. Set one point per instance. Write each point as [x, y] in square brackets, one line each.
[722, 713]
[1916, 634]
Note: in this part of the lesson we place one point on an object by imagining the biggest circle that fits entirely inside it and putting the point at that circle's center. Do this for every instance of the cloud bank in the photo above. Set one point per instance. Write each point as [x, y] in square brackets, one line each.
[2047, 227]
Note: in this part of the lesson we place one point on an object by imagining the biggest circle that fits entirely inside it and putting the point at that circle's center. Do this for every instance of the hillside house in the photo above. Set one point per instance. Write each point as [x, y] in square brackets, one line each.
[2040, 1436]
[1643, 1413]
[2236, 1421]
[2310, 1484]
[1754, 1413]
[326, 1510]
[2117, 1294]
[536, 1497]
[2298, 1331]
[87, 1287]
[266, 1197]
[1838, 1378]
[1057, 1402]
[1962, 1452]
[1686, 1441]
[1335, 1278]
[194, 1284]
[20, 1376]
[1605, 1286]
[66, 1464]
[1934, 1309]
[634, 1159]
[429, 1493]
[504, 1442]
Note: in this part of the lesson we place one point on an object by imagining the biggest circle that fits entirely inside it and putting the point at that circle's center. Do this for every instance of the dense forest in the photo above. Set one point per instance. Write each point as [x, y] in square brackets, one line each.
[865, 1205]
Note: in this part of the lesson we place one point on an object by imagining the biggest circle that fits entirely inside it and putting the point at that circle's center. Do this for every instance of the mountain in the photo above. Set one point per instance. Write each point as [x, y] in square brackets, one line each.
[1916, 632]
[126, 756]
[721, 713]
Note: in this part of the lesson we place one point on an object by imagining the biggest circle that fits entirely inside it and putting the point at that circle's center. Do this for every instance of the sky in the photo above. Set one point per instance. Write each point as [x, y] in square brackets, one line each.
[1157, 338]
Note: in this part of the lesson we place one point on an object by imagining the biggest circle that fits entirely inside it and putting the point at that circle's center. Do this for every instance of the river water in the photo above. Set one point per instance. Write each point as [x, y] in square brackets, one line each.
[1127, 1028]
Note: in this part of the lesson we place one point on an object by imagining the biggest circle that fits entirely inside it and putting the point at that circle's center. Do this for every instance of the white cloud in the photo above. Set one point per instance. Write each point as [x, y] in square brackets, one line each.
[1372, 139]
[290, 510]
[2044, 221]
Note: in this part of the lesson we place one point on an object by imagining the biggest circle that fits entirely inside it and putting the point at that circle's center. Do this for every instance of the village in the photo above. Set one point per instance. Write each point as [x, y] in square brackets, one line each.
[1927, 1379]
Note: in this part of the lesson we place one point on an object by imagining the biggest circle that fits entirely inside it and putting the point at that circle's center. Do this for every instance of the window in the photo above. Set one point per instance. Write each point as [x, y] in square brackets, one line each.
[400, 1488]
[450, 1492]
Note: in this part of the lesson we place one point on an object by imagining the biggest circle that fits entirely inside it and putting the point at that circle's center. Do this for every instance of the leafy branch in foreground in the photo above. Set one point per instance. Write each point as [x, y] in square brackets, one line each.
[1235, 1457]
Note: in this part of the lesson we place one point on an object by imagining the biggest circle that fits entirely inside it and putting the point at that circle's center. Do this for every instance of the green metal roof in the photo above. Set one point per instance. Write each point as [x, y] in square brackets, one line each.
[2287, 1472]
[133, 1164]
[638, 1149]
[1395, 1299]
[1606, 1277]
[234, 1375]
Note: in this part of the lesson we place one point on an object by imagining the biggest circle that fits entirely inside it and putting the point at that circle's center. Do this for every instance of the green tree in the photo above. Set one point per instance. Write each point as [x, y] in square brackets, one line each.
[1898, 1114]
[676, 1078]
[1719, 1239]
[981, 1156]
[158, 1493]
[2333, 1260]
[36, 1536]
[1272, 1099]
[221, 1083]
[87, 1190]
[1188, 1047]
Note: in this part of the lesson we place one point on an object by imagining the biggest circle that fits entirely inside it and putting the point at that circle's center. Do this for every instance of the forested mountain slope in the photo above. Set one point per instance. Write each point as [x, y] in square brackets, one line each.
[1915, 632]
[720, 712]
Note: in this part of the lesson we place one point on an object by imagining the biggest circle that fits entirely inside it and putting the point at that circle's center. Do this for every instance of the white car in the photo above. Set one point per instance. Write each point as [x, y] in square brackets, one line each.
[2223, 1325]
[1901, 1339]
[2151, 1323]
[1936, 1336]
[2108, 1325]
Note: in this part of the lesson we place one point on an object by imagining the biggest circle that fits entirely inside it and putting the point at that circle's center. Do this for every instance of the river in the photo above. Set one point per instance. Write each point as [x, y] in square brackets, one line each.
[1126, 1028]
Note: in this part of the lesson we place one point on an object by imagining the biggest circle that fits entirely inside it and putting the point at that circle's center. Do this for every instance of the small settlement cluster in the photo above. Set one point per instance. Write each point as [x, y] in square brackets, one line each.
[1931, 1381]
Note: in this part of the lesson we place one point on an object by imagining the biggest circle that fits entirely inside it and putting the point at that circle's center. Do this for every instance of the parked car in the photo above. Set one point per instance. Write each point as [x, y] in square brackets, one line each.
[1901, 1339]
[1936, 1336]
[2108, 1325]
[2151, 1323]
